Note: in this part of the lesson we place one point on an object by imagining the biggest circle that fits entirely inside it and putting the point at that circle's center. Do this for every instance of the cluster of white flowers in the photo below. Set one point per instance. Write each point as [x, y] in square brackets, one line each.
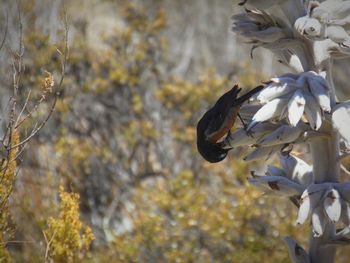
[327, 20]
[293, 94]
[325, 202]
[300, 108]
[285, 99]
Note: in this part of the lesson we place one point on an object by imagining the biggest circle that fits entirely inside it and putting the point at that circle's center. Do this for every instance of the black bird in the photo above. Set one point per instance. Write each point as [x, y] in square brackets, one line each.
[217, 122]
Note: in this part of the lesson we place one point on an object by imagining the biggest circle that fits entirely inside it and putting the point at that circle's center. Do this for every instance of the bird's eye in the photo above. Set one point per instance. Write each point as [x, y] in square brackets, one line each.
[312, 29]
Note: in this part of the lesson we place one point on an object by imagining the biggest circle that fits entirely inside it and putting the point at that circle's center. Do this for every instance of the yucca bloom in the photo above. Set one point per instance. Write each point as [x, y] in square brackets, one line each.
[293, 95]
[327, 20]
[301, 108]
[291, 8]
[325, 202]
[259, 28]
[290, 180]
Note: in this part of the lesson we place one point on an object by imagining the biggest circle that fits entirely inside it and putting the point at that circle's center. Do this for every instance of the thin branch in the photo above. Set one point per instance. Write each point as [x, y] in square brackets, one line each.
[58, 90]
[344, 169]
[17, 123]
[5, 33]
[48, 244]
[30, 113]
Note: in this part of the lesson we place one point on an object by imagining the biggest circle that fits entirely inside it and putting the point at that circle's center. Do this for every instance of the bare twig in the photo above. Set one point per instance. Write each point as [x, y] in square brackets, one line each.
[48, 244]
[18, 122]
[5, 33]
[57, 93]
[344, 169]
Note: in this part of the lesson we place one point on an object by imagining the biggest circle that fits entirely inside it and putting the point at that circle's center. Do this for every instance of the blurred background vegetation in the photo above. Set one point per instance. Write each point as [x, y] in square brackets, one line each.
[115, 176]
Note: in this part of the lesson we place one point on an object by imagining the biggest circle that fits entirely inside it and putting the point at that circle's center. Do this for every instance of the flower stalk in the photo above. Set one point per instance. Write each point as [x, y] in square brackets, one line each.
[300, 108]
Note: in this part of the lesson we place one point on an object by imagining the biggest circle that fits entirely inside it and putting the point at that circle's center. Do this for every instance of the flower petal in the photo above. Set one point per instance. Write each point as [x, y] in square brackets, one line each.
[313, 112]
[344, 190]
[337, 34]
[242, 138]
[262, 152]
[297, 169]
[282, 135]
[318, 221]
[332, 205]
[296, 107]
[319, 89]
[277, 185]
[309, 27]
[341, 120]
[309, 200]
[345, 213]
[268, 111]
[275, 90]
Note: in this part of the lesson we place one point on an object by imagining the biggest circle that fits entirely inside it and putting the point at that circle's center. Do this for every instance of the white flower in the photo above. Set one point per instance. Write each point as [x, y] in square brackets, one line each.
[309, 27]
[258, 27]
[241, 137]
[341, 120]
[269, 111]
[296, 106]
[325, 202]
[278, 87]
[291, 8]
[328, 20]
[332, 205]
[290, 181]
[292, 96]
[277, 184]
[283, 135]
[310, 198]
[297, 169]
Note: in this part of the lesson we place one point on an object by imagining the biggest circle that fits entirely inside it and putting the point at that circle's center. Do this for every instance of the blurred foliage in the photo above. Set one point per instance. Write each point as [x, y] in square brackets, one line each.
[66, 236]
[122, 141]
[7, 178]
[183, 220]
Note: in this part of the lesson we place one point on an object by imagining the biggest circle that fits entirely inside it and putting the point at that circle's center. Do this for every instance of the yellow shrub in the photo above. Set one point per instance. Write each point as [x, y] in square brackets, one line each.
[68, 238]
[7, 177]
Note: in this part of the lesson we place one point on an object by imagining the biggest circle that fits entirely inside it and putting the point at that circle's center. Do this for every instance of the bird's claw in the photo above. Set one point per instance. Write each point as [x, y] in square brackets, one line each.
[250, 133]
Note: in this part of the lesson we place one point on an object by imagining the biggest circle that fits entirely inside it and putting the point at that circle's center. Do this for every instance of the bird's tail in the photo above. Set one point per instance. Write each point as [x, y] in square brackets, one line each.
[249, 94]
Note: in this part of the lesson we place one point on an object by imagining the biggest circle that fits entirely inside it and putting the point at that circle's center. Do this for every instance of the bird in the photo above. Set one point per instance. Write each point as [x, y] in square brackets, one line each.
[217, 123]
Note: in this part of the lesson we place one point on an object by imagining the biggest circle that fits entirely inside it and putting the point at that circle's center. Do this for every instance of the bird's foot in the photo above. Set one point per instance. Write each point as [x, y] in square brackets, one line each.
[245, 127]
